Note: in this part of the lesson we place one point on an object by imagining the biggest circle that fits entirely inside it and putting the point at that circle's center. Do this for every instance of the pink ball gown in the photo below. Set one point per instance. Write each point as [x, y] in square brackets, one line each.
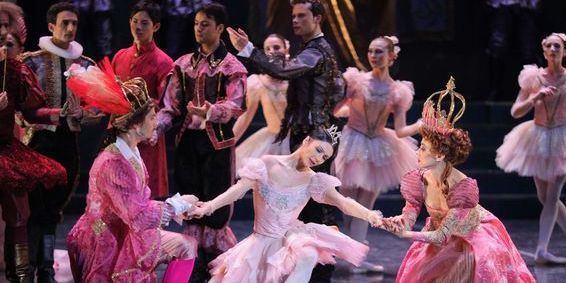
[465, 243]
[370, 155]
[537, 148]
[269, 254]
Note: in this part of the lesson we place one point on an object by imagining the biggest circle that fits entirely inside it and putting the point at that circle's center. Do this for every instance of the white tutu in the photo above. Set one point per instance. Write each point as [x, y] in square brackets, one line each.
[259, 144]
[534, 151]
[374, 164]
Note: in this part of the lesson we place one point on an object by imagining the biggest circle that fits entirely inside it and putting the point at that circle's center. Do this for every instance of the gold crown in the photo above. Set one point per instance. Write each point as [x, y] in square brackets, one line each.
[436, 118]
[136, 93]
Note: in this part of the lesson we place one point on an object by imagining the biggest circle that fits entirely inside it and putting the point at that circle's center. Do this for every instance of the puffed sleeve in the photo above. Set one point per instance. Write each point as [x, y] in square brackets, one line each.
[357, 82]
[403, 95]
[412, 190]
[320, 183]
[118, 182]
[529, 78]
[253, 169]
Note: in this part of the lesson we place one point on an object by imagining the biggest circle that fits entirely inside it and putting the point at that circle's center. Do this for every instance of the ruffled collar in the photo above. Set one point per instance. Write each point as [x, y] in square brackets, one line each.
[127, 152]
[74, 51]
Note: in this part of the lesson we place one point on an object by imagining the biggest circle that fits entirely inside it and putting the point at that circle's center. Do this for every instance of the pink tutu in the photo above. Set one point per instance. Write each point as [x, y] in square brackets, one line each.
[260, 258]
[259, 144]
[374, 164]
[534, 151]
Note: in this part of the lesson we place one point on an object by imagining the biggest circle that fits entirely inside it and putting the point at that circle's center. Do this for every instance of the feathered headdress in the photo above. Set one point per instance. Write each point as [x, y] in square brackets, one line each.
[436, 118]
[99, 88]
[17, 24]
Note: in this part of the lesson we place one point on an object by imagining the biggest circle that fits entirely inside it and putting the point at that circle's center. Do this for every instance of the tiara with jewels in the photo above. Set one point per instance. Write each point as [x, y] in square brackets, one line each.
[436, 118]
[334, 134]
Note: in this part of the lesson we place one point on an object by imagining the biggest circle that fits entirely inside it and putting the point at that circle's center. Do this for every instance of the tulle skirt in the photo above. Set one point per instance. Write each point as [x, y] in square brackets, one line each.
[534, 151]
[374, 164]
[260, 143]
[487, 254]
[23, 169]
[260, 258]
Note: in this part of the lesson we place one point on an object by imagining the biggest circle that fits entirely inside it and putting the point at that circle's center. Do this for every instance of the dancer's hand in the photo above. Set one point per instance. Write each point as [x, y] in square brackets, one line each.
[154, 138]
[73, 108]
[3, 100]
[198, 110]
[201, 210]
[394, 224]
[405, 234]
[239, 38]
[375, 218]
[544, 92]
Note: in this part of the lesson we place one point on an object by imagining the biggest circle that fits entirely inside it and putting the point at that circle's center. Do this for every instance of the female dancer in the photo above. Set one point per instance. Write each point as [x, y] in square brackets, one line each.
[372, 158]
[282, 247]
[118, 238]
[537, 148]
[271, 93]
[461, 241]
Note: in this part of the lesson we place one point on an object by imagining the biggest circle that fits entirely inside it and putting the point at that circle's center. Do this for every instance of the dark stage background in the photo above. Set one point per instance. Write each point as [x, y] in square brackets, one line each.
[438, 38]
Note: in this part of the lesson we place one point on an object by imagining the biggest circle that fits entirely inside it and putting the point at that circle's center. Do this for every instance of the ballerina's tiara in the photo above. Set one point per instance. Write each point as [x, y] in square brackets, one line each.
[334, 134]
[434, 117]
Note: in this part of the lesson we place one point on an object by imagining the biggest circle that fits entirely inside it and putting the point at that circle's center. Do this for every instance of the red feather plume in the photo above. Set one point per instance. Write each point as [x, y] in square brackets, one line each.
[98, 88]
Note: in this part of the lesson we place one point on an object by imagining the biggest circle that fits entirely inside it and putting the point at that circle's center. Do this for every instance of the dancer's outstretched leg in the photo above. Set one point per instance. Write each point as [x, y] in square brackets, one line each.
[549, 195]
[359, 229]
[306, 262]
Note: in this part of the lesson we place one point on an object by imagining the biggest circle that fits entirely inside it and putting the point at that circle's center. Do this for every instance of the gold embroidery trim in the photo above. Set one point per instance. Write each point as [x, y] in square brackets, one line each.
[98, 227]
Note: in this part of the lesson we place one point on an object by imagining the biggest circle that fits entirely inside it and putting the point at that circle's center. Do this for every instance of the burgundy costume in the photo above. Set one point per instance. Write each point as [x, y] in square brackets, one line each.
[153, 65]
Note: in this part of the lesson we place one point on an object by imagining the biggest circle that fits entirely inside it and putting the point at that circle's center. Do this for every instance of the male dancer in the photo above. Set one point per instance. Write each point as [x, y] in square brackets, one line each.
[206, 91]
[59, 142]
[315, 87]
[144, 59]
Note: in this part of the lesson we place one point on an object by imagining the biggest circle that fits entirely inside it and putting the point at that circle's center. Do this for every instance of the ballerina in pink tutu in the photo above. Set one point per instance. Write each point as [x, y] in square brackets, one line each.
[461, 241]
[272, 94]
[371, 157]
[537, 148]
[282, 248]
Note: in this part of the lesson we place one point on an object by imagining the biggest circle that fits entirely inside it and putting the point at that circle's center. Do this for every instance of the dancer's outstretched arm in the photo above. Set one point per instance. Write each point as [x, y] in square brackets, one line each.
[233, 193]
[351, 207]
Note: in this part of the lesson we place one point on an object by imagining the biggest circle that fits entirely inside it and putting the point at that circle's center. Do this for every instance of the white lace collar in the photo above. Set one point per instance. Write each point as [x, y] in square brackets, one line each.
[127, 152]
[74, 51]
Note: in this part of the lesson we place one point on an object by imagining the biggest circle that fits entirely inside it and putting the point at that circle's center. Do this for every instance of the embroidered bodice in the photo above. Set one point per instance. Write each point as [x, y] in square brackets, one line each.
[551, 110]
[371, 101]
[462, 215]
[277, 206]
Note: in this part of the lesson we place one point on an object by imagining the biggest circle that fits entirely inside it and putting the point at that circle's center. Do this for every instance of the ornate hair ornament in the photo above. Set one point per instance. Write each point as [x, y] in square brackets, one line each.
[334, 134]
[436, 118]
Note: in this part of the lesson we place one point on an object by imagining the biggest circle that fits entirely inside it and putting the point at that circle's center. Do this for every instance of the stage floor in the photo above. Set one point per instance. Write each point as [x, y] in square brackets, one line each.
[389, 250]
